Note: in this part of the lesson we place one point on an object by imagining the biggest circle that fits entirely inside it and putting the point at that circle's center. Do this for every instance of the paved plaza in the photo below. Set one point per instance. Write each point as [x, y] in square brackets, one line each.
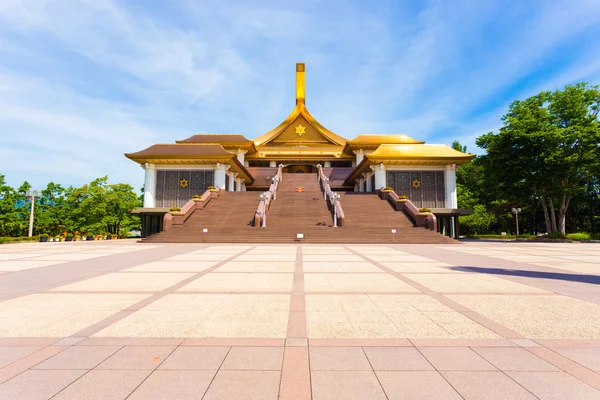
[126, 320]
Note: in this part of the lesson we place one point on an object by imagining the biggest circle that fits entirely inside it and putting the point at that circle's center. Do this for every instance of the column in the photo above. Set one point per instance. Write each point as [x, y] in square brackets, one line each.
[220, 171]
[450, 181]
[149, 185]
[238, 184]
[240, 155]
[360, 154]
[327, 164]
[368, 181]
[361, 185]
[356, 186]
[232, 176]
[273, 164]
[380, 176]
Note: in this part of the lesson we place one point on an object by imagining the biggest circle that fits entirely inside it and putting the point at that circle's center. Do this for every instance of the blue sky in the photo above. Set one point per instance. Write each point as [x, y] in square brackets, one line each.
[84, 81]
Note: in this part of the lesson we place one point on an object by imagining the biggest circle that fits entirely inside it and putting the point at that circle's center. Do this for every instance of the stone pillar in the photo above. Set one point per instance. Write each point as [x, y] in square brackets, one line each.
[240, 155]
[361, 185]
[327, 164]
[238, 184]
[360, 154]
[380, 176]
[273, 164]
[220, 171]
[368, 181]
[450, 180]
[232, 176]
[356, 186]
[149, 185]
[246, 164]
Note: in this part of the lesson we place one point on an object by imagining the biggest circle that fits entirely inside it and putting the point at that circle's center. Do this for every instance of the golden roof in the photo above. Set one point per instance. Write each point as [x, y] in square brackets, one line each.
[317, 133]
[391, 138]
[404, 152]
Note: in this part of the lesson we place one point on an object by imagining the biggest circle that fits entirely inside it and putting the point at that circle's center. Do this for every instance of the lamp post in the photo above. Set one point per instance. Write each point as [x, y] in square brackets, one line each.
[32, 194]
[516, 211]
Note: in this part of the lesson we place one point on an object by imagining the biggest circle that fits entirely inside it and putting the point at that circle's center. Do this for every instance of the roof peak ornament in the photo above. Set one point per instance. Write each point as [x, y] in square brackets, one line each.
[300, 83]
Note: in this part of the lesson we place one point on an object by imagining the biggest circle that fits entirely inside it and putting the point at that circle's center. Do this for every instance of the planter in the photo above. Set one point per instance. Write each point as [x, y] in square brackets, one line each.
[400, 205]
[89, 237]
[108, 237]
[176, 213]
[198, 200]
[69, 239]
[385, 194]
[43, 239]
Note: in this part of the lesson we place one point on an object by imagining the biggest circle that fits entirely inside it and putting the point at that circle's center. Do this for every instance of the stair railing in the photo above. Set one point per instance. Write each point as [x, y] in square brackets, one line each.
[333, 198]
[260, 216]
[426, 221]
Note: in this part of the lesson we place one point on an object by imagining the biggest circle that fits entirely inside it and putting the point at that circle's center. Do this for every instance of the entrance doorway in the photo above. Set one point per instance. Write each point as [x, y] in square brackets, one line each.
[299, 169]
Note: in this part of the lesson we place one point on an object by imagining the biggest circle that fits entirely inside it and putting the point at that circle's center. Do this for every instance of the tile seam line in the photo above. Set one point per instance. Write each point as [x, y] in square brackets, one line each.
[36, 364]
[215, 375]
[436, 370]
[151, 372]
[428, 292]
[86, 373]
[375, 373]
[569, 369]
[153, 298]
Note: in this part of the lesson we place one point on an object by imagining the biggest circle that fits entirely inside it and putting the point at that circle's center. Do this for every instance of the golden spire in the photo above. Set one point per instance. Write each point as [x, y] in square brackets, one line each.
[300, 83]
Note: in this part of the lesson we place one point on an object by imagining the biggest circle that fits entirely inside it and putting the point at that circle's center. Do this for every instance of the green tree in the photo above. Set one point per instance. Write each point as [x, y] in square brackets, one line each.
[480, 222]
[459, 147]
[547, 149]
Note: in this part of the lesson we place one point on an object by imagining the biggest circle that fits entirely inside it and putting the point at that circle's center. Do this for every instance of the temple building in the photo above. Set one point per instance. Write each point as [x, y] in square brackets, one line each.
[425, 173]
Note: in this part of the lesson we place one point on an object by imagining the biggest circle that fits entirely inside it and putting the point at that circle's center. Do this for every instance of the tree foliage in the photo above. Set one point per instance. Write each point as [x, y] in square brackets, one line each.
[97, 207]
[545, 160]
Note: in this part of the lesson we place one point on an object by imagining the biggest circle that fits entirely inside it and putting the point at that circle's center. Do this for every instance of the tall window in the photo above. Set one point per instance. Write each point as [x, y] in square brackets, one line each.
[175, 188]
[423, 188]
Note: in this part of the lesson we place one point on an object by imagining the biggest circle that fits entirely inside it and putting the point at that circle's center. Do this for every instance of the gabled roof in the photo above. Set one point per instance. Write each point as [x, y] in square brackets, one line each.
[300, 110]
[405, 154]
[190, 154]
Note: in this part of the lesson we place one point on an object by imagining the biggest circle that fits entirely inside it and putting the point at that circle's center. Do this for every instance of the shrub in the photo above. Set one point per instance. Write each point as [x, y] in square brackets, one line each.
[402, 197]
[388, 188]
[69, 235]
[425, 210]
[175, 209]
[196, 196]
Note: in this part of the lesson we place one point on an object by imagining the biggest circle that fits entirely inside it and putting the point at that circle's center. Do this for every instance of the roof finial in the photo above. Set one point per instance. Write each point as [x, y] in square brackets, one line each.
[300, 83]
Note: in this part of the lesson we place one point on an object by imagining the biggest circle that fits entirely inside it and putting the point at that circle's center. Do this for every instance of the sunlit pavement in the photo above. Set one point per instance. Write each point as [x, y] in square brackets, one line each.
[120, 319]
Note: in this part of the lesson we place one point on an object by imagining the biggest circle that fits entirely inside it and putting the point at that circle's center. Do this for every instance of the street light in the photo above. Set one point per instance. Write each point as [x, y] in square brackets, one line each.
[32, 194]
[516, 211]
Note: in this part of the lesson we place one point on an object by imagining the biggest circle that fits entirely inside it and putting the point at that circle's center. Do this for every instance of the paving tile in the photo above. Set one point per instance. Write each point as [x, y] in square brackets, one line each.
[174, 385]
[37, 385]
[416, 385]
[191, 357]
[486, 385]
[456, 359]
[555, 386]
[586, 356]
[137, 357]
[355, 385]
[10, 354]
[103, 385]
[79, 357]
[514, 359]
[245, 282]
[295, 375]
[123, 281]
[254, 358]
[338, 359]
[244, 385]
[397, 359]
[173, 266]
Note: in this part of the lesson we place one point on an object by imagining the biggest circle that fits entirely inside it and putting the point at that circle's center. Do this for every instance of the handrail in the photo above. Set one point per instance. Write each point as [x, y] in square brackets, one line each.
[333, 198]
[260, 216]
[428, 221]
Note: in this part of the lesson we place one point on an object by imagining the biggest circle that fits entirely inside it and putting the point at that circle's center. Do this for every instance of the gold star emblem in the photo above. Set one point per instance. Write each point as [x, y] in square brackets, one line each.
[300, 130]
[183, 183]
[416, 183]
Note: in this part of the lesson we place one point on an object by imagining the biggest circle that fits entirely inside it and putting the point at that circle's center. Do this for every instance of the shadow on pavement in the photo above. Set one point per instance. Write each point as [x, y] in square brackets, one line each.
[592, 279]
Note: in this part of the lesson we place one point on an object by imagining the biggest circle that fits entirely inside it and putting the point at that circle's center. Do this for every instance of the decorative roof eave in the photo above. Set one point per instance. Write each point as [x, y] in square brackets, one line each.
[369, 160]
[194, 154]
[300, 109]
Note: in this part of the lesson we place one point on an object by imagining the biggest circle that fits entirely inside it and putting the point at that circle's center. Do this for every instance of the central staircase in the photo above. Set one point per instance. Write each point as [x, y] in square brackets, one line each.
[299, 208]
